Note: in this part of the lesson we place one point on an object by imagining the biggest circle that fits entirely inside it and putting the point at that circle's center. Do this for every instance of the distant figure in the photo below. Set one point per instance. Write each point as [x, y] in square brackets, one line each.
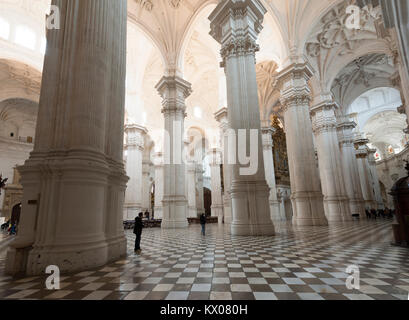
[137, 230]
[13, 229]
[147, 214]
[373, 213]
[203, 223]
[368, 214]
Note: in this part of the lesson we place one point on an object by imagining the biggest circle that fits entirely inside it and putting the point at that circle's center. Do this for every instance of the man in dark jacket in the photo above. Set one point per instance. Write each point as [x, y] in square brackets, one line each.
[203, 223]
[137, 230]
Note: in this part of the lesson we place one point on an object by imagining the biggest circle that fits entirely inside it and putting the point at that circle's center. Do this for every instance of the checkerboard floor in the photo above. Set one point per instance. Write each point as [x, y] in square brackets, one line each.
[298, 263]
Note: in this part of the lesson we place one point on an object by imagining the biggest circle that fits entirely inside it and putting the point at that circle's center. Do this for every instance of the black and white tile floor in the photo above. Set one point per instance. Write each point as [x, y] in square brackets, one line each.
[298, 263]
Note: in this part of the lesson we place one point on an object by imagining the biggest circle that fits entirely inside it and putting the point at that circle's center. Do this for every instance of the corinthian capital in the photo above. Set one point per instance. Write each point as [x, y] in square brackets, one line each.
[173, 90]
[293, 84]
[235, 24]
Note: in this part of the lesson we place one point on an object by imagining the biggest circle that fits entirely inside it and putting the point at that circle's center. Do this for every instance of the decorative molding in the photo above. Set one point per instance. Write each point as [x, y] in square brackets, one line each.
[145, 4]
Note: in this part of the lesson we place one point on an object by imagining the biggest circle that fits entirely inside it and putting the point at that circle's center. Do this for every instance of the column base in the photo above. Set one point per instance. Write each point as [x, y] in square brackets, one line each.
[357, 207]
[337, 209]
[192, 212]
[158, 212]
[33, 261]
[217, 211]
[275, 211]
[251, 209]
[308, 209]
[174, 212]
[131, 212]
[227, 214]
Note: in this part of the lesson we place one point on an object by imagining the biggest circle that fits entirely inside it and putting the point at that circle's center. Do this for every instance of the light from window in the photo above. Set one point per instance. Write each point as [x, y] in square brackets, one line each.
[25, 37]
[4, 29]
[43, 45]
[197, 112]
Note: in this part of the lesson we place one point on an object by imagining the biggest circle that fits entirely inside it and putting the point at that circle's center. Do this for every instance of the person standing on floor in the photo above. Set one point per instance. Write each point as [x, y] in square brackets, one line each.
[137, 230]
[203, 223]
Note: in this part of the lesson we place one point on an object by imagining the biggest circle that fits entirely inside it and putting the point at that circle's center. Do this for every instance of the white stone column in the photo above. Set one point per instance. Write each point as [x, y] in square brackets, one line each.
[236, 25]
[350, 166]
[270, 175]
[146, 191]
[364, 173]
[158, 164]
[191, 186]
[174, 91]
[217, 200]
[324, 126]
[306, 195]
[221, 117]
[134, 170]
[199, 188]
[74, 181]
[375, 179]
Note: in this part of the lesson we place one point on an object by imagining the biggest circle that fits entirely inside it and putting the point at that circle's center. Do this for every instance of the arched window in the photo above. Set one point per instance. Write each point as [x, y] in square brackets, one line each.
[4, 29]
[25, 37]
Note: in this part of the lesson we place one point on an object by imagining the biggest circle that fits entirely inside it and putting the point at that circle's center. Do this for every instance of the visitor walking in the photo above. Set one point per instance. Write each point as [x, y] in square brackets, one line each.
[203, 223]
[137, 230]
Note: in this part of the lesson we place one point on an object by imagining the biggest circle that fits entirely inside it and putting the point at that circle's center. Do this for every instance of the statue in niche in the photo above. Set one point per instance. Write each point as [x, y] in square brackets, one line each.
[281, 169]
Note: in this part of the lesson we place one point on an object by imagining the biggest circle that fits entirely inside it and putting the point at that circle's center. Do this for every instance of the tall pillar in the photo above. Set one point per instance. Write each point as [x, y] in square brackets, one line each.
[324, 127]
[146, 191]
[174, 91]
[375, 179]
[158, 164]
[134, 169]
[74, 181]
[363, 169]
[217, 201]
[306, 196]
[199, 188]
[235, 24]
[270, 175]
[350, 167]
[222, 118]
[191, 187]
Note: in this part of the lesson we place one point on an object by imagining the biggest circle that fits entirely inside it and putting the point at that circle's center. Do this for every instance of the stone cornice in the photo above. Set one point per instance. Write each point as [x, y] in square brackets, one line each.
[221, 114]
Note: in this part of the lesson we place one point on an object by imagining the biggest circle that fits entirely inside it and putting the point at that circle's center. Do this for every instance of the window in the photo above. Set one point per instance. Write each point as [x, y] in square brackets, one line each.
[197, 112]
[25, 37]
[4, 29]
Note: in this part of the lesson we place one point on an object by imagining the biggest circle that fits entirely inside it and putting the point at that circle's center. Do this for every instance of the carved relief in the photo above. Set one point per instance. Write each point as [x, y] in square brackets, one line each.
[145, 4]
[175, 3]
[334, 32]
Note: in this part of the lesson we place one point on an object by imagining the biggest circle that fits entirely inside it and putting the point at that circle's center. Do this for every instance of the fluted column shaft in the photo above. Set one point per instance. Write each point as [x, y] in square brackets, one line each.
[134, 169]
[324, 126]
[174, 91]
[350, 167]
[158, 165]
[364, 171]
[74, 181]
[222, 118]
[306, 196]
[217, 201]
[146, 184]
[235, 25]
[199, 188]
[191, 186]
[270, 175]
[375, 179]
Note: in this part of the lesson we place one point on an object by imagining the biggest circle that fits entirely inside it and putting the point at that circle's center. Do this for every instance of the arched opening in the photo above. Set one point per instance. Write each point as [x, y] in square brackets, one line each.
[15, 214]
[207, 196]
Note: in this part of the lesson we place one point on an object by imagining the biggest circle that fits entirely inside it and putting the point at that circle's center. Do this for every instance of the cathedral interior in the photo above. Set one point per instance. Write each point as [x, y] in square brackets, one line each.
[284, 122]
